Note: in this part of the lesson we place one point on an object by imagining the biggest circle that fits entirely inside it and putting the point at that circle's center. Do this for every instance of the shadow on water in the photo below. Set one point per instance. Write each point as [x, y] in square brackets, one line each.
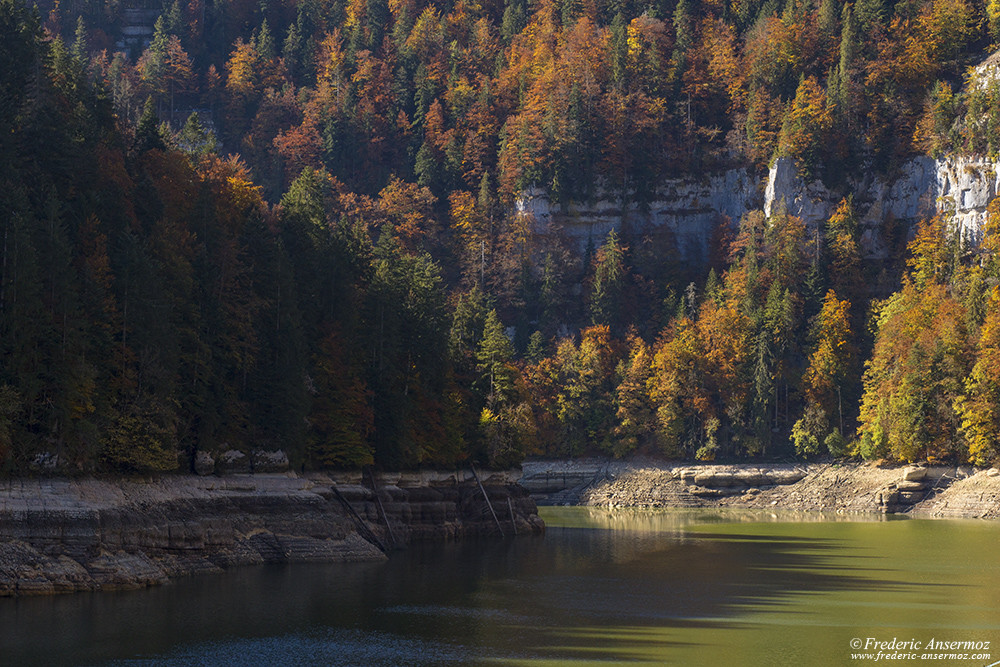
[587, 591]
[728, 577]
[622, 608]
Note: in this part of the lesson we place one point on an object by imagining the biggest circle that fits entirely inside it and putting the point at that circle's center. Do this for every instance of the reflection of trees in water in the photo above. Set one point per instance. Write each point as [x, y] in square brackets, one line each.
[634, 595]
[639, 585]
[672, 519]
[647, 577]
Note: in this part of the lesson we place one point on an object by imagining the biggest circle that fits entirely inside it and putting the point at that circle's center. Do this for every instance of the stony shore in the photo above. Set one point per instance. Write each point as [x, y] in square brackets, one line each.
[919, 490]
[65, 535]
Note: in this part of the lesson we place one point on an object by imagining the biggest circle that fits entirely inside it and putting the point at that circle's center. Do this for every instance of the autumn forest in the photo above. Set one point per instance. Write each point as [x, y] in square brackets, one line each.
[290, 224]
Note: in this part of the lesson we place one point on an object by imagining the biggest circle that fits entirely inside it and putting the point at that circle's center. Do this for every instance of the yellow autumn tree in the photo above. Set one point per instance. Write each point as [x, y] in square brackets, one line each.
[993, 19]
[844, 247]
[979, 406]
[474, 245]
[806, 127]
[830, 362]
[243, 68]
[830, 366]
[677, 389]
[947, 26]
[929, 253]
[922, 354]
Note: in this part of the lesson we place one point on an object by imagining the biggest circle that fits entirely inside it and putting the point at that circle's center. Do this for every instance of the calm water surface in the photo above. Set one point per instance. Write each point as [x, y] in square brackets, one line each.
[668, 587]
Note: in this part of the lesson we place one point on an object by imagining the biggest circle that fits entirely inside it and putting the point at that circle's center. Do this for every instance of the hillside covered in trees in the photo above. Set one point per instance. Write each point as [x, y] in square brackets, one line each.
[290, 225]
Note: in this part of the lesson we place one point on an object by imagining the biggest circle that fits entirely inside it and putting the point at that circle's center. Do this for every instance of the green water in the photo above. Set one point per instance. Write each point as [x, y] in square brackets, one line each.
[667, 587]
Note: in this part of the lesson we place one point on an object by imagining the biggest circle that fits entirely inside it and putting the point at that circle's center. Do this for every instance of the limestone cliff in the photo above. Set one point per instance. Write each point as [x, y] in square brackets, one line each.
[690, 209]
[961, 187]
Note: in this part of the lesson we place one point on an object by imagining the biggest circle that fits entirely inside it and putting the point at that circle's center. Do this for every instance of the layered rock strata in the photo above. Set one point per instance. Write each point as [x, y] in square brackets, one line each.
[687, 209]
[929, 491]
[60, 535]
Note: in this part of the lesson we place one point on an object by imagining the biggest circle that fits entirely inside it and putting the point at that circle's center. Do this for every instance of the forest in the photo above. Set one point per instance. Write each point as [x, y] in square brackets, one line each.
[289, 224]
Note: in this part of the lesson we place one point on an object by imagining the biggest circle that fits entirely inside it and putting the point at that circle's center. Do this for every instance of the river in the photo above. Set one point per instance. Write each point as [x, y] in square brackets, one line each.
[647, 587]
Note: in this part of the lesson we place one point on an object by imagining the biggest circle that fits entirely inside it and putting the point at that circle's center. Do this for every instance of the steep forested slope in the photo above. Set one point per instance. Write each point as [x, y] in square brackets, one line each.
[290, 225]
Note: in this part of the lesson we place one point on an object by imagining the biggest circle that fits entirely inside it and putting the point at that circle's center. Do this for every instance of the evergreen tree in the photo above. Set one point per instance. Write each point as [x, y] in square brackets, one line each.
[147, 134]
[291, 50]
[827, 19]
[153, 63]
[266, 47]
[80, 49]
[493, 354]
[871, 16]
[608, 284]
[513, 20]
[194, 138]
[173, 19]
[683, 26]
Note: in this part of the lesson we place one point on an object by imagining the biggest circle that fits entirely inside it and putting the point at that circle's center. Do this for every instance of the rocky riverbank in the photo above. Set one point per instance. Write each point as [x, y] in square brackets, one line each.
[919, 490]
[64, 535]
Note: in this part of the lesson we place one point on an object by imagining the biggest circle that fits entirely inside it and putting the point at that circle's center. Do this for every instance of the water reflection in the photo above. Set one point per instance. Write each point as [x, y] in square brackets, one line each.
[653, 520]
[794, 593]
[654, 587]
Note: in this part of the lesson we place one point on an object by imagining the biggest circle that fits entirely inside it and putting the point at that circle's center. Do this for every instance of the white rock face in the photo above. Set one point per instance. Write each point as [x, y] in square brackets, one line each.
[959, 187]
[690, 210]
[811, 202]
[966, 186]
[986, 72]
[912, 195]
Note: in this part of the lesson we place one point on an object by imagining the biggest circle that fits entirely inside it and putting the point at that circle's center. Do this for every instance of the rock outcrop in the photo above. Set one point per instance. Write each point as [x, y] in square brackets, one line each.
[933, 491]
[690, 210]
[913, 486]
[59, 535]
[960, 187]
[687, 209]
[963, 493]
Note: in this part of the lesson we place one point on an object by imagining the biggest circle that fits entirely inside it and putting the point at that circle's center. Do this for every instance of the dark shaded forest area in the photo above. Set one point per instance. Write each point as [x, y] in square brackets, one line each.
[290, 225]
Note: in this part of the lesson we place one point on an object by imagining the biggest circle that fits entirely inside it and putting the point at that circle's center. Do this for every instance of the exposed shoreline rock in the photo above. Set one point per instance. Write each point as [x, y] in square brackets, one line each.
[924, 491]
[66, 535]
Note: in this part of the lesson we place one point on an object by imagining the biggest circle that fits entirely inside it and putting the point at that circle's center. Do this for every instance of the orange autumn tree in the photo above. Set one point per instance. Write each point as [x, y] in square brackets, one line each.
[409, 209]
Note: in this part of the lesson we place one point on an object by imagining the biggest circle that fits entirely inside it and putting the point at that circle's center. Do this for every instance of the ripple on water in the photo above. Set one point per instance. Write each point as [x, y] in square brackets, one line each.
[342, 647]
[482, 614]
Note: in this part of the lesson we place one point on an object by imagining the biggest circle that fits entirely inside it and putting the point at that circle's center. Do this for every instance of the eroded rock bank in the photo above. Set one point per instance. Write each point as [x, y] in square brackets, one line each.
[928, 491]
[63, 535]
